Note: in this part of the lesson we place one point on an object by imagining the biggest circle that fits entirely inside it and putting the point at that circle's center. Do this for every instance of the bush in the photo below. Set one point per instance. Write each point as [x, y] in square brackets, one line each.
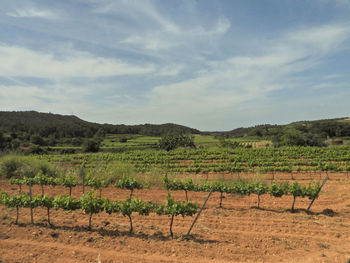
[171, 141]
[11, 166]
[38, 140]
[123, 140]
[19, 166]
[91, 145]
[36, 149]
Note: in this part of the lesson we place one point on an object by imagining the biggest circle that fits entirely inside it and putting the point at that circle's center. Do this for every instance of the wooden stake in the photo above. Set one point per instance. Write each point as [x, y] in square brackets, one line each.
[319, 190]
[200, 211]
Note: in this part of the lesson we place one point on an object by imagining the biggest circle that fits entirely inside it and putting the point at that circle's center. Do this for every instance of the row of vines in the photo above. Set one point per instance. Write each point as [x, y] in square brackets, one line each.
[91, 204]
[236, 187]
[250, 160]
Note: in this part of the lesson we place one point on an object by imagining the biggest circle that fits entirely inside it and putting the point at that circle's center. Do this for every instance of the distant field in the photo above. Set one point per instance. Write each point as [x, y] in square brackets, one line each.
[139, 142]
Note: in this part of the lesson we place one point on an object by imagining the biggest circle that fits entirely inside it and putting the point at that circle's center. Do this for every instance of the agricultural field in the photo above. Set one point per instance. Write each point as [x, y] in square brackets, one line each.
[257, 211]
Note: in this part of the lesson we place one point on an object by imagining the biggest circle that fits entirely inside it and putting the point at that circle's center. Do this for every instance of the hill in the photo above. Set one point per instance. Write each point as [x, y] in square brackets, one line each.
[27, 128]
[302, 133]
[46, 124]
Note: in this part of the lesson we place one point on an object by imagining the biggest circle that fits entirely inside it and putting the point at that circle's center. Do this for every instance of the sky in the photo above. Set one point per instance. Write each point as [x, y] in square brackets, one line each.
[210, 65]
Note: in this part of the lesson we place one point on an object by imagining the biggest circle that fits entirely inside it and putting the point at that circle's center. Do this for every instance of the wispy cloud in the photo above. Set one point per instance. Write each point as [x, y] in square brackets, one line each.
[20, 61]
[201, 63]
[158, 40]
[227, 85]
[33, 13]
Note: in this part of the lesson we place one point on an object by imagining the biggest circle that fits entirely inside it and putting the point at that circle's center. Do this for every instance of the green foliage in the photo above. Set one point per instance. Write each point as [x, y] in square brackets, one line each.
[175, 208]
[3, 197]
[312, 191]
[111, 207]
[128, 183]
[127, 208]
[171, 141]
[69, 181]
[260, 189]
[38, 140]
[2, 141]
[91, 145]
[131, 206]
[18, 182]
[96, 183]
[91, 204]
[11, 166]
[279, 190]
[42, 179]
[230, 144]
[66, 202]
[45, 201]
[19, 166]
[123, 139]
[16, 201]
[296, 190]
[179, 185]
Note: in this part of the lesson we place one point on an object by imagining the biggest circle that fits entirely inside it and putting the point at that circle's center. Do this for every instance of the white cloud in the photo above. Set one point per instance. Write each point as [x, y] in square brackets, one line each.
[154, 30]
[227, 85]
[20, 61]
[163, 39]
[143, 12]
[171, 70]
[221, 27]
[147, 42]
[321, 39]
[33, 13]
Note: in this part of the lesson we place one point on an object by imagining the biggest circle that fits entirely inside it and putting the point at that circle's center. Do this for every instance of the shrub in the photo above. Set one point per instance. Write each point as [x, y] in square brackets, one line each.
[171, 141]
[91, 145]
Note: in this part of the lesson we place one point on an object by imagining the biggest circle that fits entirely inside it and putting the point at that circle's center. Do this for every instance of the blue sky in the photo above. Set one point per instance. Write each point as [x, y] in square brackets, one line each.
[210, 65]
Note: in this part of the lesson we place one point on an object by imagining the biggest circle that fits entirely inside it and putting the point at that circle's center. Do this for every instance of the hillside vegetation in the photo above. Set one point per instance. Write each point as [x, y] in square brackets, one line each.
[35, 132]
[30, 128]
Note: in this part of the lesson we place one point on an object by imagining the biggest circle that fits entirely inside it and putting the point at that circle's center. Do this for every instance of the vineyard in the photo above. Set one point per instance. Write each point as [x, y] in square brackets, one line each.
[238, 160]
[259, 208]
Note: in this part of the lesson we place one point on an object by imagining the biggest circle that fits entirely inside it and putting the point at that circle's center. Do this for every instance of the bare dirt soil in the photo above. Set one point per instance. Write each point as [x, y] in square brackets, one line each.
[238, 232]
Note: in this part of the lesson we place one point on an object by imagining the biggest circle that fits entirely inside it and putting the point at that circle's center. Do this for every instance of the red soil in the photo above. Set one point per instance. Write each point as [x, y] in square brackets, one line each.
[238, 232]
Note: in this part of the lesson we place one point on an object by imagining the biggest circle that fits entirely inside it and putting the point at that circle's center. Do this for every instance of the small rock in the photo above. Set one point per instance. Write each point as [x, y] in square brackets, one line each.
[54, 234]
[328, 212]
[4, 236]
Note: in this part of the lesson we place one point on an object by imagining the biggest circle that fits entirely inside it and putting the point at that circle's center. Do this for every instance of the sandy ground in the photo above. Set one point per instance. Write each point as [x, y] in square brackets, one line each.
[238, 232]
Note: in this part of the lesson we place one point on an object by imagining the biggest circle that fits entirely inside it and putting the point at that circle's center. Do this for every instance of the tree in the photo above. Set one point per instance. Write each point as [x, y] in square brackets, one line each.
[289, 137]
[2, 141]
[38, 140]
[91, 145]
[173, 140]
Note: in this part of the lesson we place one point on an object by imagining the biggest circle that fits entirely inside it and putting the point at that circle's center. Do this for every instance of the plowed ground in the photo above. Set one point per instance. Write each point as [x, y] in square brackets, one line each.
[238, 232]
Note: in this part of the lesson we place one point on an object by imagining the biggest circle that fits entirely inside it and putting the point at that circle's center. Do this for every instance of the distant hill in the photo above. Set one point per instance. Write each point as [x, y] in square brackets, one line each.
[311, 133]
[8, 118]
[46, 124]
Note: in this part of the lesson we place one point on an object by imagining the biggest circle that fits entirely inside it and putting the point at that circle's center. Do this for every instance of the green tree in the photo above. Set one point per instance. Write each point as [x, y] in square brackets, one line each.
[2, 141]
[173, 140]
[91, 145]
[38, 140]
